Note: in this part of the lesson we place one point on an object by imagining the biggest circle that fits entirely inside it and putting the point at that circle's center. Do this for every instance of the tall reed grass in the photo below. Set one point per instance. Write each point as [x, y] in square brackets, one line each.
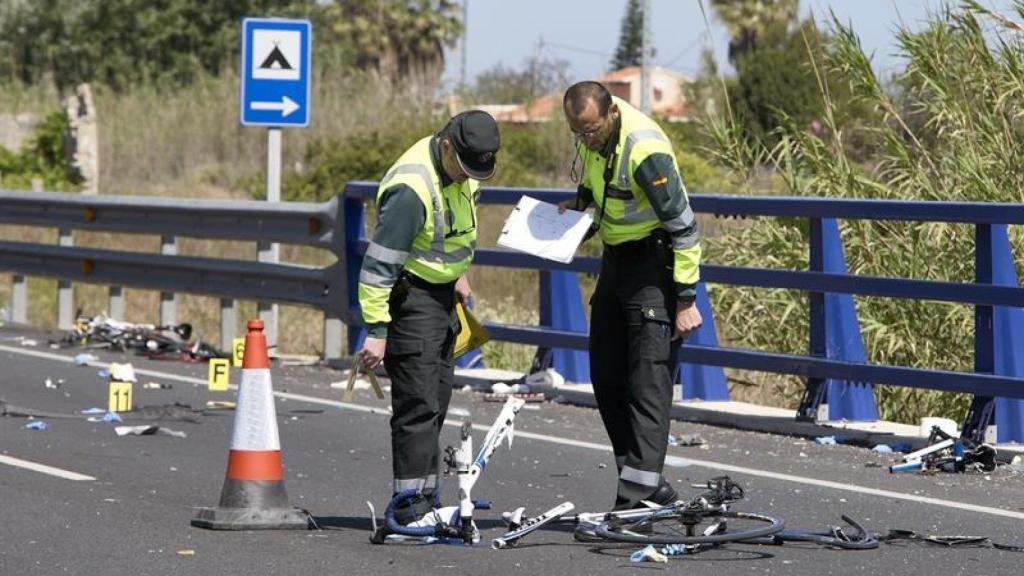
[949, 128]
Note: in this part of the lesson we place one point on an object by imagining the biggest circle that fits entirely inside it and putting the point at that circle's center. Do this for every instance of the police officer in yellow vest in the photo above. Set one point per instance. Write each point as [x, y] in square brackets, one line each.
[411, 274]
[644, 301]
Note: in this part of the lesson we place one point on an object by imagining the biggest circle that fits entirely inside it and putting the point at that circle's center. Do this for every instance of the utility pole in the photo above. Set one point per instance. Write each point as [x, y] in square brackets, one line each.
[462, 50]
[645, 58]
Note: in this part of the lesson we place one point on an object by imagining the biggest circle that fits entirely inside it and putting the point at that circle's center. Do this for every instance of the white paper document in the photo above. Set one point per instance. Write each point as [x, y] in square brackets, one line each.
[537, 228]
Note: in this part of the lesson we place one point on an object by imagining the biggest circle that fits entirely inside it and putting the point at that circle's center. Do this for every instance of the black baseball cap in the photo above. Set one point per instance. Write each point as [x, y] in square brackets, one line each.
[474, 134]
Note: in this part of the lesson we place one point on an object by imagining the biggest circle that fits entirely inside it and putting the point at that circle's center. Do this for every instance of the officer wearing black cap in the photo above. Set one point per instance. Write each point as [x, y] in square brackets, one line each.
[411, 275]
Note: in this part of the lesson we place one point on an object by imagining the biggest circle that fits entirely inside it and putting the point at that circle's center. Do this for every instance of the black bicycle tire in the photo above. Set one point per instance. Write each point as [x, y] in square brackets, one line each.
[824, 539]
[772, 526]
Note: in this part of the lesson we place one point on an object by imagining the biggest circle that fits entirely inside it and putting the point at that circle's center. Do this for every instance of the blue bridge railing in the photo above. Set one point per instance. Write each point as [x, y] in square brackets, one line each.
[836, 372]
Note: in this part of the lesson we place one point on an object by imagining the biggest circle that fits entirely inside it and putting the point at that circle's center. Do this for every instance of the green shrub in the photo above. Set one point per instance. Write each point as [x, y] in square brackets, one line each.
[42, 157]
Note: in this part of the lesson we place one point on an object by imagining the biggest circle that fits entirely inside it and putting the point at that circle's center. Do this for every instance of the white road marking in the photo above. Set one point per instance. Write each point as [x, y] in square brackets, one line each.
[43, 468]
[674, 461]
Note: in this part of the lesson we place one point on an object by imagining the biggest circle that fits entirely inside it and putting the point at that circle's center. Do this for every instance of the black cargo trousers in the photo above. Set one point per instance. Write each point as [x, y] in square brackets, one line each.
[633, 359]
[418, 360]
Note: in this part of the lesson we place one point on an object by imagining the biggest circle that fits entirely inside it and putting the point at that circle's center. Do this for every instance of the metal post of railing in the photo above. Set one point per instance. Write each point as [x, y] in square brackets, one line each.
[168, 301]
[115, 306]
[981, 413]
[542, 359]
[812, 406]
[65, 292]
[19, 299]
[333, 330]
[228, 322]
[355, 230]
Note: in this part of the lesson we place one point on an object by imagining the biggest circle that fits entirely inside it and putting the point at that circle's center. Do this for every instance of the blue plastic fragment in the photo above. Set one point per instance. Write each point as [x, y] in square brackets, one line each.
[648, 554]
[112, 417]
[882, 449]
[482, 504]
[37, 425]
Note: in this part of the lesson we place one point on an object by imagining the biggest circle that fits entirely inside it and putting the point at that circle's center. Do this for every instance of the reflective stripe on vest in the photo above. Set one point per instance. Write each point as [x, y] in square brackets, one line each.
[437, 242]
[627, 150]
[433, 256]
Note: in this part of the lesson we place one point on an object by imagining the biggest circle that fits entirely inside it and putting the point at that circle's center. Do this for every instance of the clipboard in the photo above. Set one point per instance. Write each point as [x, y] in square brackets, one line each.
[539, 229]
[473, 334]
[353, 373]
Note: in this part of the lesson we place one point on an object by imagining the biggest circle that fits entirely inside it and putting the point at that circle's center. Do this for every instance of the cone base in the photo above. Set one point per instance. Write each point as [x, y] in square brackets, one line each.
[251, 519]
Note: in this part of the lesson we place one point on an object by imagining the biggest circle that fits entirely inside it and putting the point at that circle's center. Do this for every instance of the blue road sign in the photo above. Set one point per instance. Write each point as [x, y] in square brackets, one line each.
[275, 72]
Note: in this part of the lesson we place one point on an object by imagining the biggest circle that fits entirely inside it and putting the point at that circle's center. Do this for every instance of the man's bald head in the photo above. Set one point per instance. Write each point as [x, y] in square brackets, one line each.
[580, 94]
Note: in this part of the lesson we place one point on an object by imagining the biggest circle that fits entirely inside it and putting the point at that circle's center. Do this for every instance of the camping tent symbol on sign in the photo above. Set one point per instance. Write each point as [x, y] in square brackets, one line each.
[276, 54]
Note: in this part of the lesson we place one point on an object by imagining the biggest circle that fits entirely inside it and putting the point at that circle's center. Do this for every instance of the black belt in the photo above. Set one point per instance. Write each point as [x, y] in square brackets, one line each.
[635, 249]
[421, 283]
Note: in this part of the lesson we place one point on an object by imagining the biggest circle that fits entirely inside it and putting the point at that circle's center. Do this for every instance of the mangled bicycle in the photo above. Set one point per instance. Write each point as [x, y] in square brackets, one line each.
[451, 523]
[150, 340]
[686, 526]
[689, 526]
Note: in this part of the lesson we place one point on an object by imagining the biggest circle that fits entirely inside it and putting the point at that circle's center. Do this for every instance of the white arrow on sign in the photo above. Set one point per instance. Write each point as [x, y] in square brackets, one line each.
[286, 106]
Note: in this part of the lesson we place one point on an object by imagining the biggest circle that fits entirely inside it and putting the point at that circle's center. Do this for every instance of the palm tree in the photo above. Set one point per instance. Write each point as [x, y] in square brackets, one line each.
[402, 41]
[745, 19]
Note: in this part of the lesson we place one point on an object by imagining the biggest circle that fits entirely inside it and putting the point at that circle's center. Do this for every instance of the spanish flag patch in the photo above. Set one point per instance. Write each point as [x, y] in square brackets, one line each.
[661, 181]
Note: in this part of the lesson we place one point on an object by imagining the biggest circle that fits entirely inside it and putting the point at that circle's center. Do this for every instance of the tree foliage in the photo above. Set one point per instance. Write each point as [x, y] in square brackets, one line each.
[776, 79]
[631, 37]
[402, 41]
[124, 42]
[121, 42]
[748, 19]
[537, 77]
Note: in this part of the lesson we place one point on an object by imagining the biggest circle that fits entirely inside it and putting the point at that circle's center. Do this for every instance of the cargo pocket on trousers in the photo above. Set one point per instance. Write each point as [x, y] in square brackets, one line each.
[400, 346]
[650, 332]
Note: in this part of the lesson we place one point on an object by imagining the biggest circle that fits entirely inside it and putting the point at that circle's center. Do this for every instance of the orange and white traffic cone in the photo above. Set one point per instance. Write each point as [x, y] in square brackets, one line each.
[253, 497]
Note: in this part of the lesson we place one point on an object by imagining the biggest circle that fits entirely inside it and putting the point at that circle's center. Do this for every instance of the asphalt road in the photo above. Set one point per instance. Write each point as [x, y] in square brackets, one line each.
[132, 517]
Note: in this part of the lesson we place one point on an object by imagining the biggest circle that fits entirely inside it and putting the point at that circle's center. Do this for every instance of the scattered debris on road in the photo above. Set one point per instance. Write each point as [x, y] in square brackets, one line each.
[147, 431]
[948, 453]
[686, 440]
[501, 397]
[648, 554]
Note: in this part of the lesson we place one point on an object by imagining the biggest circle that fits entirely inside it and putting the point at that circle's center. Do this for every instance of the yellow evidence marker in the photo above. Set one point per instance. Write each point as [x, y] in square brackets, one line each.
[237, 352]
[120, 396]
[122, 380]
[219, 374]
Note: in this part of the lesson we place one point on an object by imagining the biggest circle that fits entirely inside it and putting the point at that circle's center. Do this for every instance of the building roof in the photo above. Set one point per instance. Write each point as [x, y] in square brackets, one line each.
[543, 108]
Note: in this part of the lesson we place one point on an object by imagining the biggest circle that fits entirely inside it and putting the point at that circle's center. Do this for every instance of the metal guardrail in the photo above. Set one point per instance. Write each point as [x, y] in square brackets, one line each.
[814, 366]
[318, 225]
[339, 227]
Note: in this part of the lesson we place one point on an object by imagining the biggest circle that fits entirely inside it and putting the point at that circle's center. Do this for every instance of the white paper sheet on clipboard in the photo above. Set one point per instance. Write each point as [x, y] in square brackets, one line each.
[537, 228]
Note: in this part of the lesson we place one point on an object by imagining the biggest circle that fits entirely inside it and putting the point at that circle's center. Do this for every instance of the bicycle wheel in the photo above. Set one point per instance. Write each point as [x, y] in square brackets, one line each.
[674, 527]
[855, 539]
[830, 540]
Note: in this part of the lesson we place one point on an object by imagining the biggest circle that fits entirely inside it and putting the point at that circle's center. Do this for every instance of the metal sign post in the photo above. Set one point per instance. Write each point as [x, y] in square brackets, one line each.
[276, 56]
